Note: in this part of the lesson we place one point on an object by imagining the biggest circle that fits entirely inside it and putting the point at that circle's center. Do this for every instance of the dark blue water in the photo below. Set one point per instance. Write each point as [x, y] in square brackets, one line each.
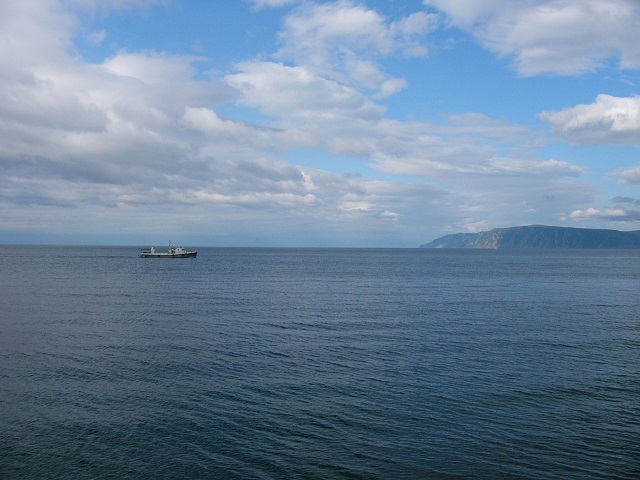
[286, 363]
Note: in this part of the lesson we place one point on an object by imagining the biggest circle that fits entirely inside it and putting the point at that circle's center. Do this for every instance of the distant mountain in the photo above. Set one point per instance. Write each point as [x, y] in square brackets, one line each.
[539, 236]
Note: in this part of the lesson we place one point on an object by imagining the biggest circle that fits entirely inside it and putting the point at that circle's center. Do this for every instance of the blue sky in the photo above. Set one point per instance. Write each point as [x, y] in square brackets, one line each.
[354, 123]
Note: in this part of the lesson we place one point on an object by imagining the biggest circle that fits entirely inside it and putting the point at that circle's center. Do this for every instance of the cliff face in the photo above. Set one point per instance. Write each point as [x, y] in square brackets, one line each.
[538, 236]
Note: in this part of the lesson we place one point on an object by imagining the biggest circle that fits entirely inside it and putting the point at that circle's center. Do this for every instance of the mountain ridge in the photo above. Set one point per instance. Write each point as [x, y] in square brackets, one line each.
[541, 237]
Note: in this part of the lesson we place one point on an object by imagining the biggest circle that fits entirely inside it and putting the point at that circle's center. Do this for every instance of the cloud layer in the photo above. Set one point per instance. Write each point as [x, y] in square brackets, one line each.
[139, 141]
[551, 36]
[608, 120]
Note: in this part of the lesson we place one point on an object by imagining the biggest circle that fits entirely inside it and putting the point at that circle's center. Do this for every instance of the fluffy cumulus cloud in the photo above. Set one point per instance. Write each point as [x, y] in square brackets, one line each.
[613, 215]
[297, 94]
[628, 176]
[608, 120]
[551, 36]
[342, 40]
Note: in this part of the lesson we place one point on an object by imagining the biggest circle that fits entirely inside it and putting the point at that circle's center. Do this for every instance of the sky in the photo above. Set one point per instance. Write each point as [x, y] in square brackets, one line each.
[348, 123]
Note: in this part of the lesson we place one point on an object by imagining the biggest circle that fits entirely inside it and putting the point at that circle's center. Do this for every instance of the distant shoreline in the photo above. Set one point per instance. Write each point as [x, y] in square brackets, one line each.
[540, 237]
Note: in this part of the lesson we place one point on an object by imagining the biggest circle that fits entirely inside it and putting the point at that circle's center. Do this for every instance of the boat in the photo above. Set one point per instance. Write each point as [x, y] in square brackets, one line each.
[172, 252]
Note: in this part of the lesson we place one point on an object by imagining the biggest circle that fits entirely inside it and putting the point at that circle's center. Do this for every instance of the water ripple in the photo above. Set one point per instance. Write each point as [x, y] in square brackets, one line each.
[270, 363]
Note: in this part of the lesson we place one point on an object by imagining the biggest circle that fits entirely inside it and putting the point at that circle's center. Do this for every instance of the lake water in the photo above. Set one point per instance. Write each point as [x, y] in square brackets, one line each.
[319, 363]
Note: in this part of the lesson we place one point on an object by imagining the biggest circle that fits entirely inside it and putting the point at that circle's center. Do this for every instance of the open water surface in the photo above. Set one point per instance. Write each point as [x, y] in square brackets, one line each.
[305, 363]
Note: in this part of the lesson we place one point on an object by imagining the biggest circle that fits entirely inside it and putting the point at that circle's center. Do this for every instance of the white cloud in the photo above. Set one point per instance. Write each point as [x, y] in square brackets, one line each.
[27, 99]
[468, 145]
[551, 36]
[299, 94]
[618, 215]
[390, 87]
[207, 121]
[343, 40]
[628, 176]
[590, 212]
[34, 30]
[608, 120]
[357, 206]
[151, 68]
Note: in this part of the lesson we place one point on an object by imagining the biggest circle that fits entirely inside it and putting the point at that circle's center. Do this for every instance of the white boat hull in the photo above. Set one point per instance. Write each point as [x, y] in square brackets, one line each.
[173, 252]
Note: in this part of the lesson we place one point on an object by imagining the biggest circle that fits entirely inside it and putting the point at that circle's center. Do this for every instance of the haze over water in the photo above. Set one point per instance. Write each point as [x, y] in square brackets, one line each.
[319, 363]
